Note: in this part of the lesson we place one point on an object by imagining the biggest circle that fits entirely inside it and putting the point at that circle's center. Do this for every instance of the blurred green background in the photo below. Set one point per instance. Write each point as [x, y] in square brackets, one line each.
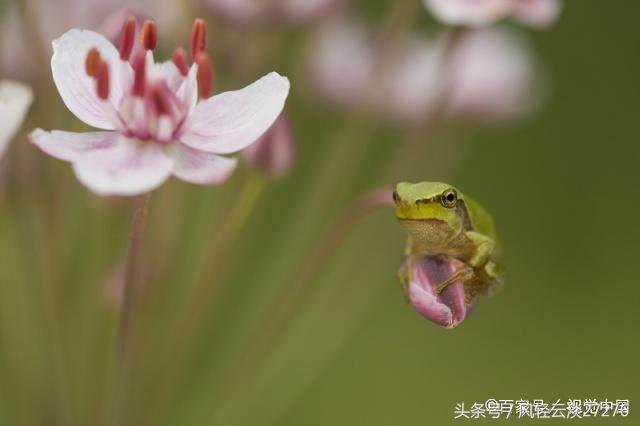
[226, 331]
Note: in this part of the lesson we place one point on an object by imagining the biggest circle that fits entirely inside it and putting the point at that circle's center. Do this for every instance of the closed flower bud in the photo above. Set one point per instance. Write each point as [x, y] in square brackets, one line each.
[274, 153]
[447, 307]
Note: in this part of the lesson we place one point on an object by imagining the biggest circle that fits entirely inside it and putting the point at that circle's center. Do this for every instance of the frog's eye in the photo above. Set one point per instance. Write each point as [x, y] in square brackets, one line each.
[396, 197]
[449, 198]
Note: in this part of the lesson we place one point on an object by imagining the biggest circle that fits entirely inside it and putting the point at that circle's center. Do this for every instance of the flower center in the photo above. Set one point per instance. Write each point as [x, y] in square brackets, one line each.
[156, 100]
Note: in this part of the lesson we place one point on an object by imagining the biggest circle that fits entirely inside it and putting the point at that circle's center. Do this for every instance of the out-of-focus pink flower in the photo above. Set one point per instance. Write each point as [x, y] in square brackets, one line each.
[476, 13]
[155, 124]
[273, 11]
[342, 62]
[447, 308]
[18, 55]
[15, 99]
[489, 74]
[274, 153]
[493, 77]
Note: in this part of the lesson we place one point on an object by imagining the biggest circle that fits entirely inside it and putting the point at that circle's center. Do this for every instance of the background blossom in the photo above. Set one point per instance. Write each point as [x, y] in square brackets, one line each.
[475, 13]
[15, 99]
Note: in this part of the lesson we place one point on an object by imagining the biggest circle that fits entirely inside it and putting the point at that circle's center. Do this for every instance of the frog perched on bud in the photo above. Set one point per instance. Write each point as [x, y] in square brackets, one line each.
[452, 253]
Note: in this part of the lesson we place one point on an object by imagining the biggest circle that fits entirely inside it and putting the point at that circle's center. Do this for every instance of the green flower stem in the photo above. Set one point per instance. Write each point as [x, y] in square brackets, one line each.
[132, 272]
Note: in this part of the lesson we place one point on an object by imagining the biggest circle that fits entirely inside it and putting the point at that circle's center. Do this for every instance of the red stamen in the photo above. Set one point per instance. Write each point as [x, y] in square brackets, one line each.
[149, 35]
[205, 74]
[102, 80]
[92, 62]
[139, 74]
[127, 37]
[179, 58]
[198, 38]
[160, 100]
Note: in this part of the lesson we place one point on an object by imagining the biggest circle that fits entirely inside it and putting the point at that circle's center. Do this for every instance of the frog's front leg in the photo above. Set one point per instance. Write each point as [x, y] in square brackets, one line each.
[483, 248]
[463, 274]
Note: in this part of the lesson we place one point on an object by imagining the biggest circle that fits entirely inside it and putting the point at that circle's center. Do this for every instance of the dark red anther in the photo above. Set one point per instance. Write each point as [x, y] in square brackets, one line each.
[179, 58]
[205, 74]
[198, 38]
[160, 99]
[127, 37]
[139, 74]
[149, 35]
[102, 80]
[92, 61]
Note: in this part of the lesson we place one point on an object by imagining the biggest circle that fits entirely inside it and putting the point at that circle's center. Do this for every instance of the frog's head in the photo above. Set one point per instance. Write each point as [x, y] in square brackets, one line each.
[428, 201]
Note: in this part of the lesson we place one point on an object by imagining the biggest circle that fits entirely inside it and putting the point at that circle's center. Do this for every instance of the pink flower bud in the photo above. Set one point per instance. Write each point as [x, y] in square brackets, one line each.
[448, 306]
[274, 153]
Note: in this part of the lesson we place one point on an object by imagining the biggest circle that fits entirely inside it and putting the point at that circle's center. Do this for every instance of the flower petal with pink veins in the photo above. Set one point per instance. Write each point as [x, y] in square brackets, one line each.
[77, 89]
[201, 167]
[69, 146]
[15, 99]
[474, 13]
[231, 121]
[127, 167]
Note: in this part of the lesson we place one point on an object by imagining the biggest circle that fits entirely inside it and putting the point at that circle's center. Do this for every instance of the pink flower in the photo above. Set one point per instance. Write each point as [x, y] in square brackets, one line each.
[15, 99]
[272, 11]
[154, 124]
[475, 13]
[447, 308]
[274, 153]
[489, 75]
[494, 77]
[19, 57]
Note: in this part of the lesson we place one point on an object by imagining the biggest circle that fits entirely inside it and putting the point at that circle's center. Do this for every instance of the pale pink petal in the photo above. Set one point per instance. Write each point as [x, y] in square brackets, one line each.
[201, 167]
[231, 121]
[187, 91]
[127, 167]
[69, 146]
[468, 12]
[77, 89]
[537, 13]
[15, 99]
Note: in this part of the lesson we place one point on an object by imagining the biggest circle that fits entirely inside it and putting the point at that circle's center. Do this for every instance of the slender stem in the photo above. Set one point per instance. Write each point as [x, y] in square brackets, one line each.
[132, 272]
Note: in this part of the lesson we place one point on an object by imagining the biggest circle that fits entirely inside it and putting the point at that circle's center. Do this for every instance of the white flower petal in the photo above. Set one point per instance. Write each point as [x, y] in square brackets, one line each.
[77, 89]
[15, 99]
[201, 167]
[69, 146]
[231, 121]
[127, 167]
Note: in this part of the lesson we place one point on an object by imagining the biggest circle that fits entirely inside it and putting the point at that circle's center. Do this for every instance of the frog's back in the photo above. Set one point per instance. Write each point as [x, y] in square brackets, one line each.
[480, 218]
